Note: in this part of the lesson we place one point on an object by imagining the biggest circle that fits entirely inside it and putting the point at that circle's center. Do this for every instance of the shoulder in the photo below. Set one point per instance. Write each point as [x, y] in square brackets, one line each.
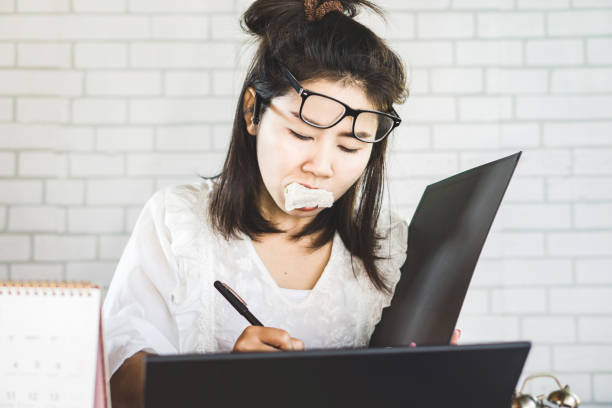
[392, 227]
[181, 210]
[180, 201]
[182, 197]
[392, 247]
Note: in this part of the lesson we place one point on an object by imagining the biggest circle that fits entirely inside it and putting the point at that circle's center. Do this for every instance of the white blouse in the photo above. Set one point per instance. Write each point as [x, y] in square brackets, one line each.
[162, 300]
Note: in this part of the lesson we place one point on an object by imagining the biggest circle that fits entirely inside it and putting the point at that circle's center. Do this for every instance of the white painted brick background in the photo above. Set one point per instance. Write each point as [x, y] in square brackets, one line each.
[104, 102]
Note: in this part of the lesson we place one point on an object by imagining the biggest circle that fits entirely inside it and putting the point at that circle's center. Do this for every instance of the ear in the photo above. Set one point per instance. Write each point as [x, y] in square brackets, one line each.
[248, 106]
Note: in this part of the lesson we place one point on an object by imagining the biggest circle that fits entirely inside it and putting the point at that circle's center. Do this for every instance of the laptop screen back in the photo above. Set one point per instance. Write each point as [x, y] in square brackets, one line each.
[479, 376]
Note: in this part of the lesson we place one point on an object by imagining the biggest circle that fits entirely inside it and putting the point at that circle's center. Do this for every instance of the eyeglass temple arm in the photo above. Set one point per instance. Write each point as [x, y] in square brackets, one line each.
[398, 119]
[256, 108]
[294, 82]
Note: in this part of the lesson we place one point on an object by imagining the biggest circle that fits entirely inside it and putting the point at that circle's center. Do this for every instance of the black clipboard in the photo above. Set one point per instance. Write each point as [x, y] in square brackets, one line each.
[445, 239]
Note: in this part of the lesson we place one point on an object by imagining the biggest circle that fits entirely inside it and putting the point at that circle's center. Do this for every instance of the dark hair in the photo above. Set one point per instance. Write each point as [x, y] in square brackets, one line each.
[336, 47]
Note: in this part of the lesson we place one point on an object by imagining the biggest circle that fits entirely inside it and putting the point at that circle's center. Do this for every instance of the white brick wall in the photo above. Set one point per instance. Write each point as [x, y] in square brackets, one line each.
[93, 220]
[181, 27]
[39, 82]
[111, 246]
[123, 83]
[6, 109]
[7, 6]
[555, 52]
[504, 25]
[93, 120]
[20, 191]
[593, 271]
[94, 6]
[42, 164]
[7, 163]
[117, 139]
[36, 218]
[44, 55]
[123, 191]
[33, 271]
[99, 111]
[64, 247]
[2, 218]
[64, 192]
[34, 6]
[42, 110]
[15, 247]
[184, 138]
[187, 83]
[91, 164]
[100, 55]
[598, 51]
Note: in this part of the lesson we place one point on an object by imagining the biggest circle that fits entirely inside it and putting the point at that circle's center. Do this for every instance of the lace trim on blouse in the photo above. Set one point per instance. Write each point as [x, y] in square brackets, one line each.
[193, 243]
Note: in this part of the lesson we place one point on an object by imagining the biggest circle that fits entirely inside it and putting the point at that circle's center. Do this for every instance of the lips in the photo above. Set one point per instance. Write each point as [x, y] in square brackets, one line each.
[308, 208]
[309, 186]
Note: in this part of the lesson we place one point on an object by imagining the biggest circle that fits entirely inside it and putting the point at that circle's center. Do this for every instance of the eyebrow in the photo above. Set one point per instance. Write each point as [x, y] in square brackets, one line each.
[344, 134]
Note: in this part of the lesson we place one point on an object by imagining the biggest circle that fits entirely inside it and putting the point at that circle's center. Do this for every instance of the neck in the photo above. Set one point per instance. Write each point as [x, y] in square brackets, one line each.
[288, 223]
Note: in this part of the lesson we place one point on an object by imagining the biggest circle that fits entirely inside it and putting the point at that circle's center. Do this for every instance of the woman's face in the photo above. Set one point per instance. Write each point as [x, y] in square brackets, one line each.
[289, 150]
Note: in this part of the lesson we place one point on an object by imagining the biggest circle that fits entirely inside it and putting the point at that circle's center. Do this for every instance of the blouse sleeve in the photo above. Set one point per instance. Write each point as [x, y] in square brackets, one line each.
[136, 312]
[393, 247]
[393, 230]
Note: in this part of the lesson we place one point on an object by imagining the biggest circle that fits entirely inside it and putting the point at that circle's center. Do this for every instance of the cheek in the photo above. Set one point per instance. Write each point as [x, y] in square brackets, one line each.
[274, 151]
[277, 154]
[352, 170]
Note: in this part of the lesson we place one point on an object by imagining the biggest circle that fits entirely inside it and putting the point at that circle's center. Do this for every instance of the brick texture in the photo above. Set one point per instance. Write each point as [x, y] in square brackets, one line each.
[104, 102]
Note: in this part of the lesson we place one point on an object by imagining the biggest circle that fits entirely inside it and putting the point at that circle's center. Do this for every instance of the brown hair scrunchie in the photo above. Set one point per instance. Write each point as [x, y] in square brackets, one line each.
[315, 11]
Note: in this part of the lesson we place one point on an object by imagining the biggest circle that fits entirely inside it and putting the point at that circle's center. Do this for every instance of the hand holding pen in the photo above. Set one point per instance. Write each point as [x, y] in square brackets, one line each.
[257, 337]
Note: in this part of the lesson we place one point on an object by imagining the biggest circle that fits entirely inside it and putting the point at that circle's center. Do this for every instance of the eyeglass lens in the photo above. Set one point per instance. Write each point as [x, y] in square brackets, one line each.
[322, 111]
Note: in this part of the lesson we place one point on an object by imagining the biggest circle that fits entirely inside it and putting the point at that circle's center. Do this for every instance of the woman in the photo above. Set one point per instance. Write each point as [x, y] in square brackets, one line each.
[314, 116]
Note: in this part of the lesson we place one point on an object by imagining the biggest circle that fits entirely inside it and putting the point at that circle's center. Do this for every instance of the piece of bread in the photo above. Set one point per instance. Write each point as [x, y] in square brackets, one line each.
[298, 196]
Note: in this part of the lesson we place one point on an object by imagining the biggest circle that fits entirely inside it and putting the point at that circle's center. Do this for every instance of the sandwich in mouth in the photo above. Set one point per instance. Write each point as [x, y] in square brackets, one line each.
[299, 196]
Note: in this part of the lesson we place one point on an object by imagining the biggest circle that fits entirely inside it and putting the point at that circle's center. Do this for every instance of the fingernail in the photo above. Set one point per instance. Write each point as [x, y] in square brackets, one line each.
[459, 331]
[413, 344]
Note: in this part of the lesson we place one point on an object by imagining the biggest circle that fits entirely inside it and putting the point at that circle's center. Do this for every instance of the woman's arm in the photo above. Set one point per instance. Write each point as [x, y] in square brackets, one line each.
[137, 313]
[127, 384]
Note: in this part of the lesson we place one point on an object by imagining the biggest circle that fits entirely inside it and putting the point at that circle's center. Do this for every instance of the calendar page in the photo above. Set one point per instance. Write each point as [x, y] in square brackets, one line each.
[48, 345]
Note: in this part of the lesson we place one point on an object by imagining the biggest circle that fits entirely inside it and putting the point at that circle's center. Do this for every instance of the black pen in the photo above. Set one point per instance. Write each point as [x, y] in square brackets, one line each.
[237, 302]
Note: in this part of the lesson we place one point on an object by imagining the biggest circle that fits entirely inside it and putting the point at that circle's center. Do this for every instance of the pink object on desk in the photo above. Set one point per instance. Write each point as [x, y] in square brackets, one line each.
[101, 392]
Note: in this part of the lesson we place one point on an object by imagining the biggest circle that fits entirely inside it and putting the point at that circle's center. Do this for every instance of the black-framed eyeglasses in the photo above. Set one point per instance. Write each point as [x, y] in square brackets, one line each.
[323, 112]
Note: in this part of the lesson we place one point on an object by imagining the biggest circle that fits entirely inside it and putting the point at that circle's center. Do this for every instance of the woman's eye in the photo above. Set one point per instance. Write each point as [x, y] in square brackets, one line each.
[347, 150]
[300, 136]
[344, 149]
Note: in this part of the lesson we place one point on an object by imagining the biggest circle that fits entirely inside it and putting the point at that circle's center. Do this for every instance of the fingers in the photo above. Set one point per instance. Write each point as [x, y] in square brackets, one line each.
[259, 338]
[262, 347]
[276, 337]
[297, 344]
[456, 336]
[454, 339]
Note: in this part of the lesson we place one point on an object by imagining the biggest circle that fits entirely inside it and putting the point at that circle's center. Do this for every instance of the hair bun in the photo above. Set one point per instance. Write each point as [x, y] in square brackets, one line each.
[266, 17]
[275, 19]
[315, 11]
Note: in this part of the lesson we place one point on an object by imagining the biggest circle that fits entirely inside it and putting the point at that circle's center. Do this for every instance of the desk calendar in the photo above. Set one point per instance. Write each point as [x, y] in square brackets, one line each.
[51, 346]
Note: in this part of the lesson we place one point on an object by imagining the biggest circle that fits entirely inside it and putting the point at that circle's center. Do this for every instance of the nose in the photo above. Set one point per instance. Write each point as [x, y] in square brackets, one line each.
[319, 159]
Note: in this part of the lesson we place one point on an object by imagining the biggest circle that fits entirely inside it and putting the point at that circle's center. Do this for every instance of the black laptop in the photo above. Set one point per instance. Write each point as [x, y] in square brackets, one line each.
[475, 376]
